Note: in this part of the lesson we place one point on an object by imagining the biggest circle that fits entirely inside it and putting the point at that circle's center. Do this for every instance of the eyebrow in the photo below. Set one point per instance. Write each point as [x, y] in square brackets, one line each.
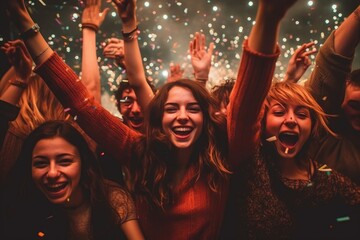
[176, 104]
[60, 155]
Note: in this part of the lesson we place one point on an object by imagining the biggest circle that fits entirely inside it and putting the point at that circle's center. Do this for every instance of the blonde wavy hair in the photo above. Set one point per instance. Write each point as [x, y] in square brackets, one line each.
[37, 105]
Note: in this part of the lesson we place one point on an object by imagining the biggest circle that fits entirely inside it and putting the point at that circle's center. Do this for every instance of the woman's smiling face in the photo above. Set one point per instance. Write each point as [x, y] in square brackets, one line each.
[182, 120]
[56, 170]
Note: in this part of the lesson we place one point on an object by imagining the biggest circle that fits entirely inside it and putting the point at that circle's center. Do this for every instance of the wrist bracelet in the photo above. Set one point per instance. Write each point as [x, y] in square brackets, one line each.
[41, 53]
[18, 83]
[130, 35]
[90, 26]
[34, 29]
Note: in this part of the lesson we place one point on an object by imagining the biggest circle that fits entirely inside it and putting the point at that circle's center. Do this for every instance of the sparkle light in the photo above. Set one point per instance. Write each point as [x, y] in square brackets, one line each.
[167, 26]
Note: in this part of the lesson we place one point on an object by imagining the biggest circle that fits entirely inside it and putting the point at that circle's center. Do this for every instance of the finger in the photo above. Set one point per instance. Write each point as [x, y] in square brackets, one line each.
[198, 41]
[191, 47]
[104, 13]
[20, 44]
[114, 40]
[211, 48]
[299, 50]
[307, 53]
[202, 38]
[309, 44]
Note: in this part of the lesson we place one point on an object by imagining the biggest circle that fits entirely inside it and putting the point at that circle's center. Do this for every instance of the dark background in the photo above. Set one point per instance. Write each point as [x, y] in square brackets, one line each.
[168, 26]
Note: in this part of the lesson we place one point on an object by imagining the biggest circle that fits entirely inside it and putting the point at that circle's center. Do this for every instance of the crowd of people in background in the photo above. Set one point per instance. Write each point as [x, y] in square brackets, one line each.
[252, 158]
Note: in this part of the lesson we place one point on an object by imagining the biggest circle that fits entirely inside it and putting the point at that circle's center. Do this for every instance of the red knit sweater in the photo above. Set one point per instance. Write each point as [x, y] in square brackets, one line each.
[197, 211]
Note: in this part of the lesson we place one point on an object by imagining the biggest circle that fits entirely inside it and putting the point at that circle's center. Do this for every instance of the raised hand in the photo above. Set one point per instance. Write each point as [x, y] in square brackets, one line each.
[299, 62]
[92, 16]
[19, 58]
[176, 73]
[200, 57]
[127, 11]
[114, 49]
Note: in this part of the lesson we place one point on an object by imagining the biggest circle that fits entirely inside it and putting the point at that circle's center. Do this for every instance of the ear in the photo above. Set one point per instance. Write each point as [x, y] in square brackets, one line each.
[347, 83]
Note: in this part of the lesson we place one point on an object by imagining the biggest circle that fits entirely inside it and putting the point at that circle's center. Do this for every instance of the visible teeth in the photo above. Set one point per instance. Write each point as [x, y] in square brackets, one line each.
[55, 185]
[286, 150]
[182, 129]
[271, 139]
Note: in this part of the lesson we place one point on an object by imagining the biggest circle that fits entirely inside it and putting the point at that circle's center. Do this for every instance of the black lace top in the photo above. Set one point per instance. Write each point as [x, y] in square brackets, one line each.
[264, 205]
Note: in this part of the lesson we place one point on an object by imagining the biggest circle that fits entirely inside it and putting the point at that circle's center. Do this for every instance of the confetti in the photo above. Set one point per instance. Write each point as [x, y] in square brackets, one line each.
[167, 27]
[343, 219]
[271, 139]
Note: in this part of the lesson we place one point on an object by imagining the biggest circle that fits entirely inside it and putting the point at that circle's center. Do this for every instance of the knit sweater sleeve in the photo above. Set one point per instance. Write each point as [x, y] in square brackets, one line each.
[245, 108]
[107, 130]
[327, 80]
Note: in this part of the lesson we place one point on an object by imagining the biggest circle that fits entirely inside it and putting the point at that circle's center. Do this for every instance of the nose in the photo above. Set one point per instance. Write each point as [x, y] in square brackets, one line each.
[136, 107]
[53, 171]
[290, 121]
[183, 116]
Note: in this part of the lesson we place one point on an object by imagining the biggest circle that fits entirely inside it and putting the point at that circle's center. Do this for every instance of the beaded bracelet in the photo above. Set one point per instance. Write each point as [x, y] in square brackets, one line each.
[18, 83]
[130, 35]
[90, 26]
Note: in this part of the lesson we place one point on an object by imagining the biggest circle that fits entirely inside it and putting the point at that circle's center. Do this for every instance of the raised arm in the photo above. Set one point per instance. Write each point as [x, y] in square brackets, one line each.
[333, 64]
[106, 129]
[256, 70]
[20, 59]
[134, 66]
[299, 62]
[347, 36]
[91, 21]
[21, 62]
[200, 57]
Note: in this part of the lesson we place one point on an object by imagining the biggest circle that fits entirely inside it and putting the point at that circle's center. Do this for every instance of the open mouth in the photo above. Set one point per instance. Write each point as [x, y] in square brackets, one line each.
[55, 187]
[288, 139]
[137, 121]
[182, 131]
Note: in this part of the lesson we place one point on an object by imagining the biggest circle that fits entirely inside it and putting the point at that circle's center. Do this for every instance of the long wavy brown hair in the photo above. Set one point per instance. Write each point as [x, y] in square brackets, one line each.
[154, 165]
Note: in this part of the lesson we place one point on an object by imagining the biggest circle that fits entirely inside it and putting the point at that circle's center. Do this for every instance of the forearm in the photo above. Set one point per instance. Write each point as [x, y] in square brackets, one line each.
[347, 36]
[90, 75]
[14, 87]
[135, 69]
[106, 129]
[244, 111]
[267, 27]
[35, 44]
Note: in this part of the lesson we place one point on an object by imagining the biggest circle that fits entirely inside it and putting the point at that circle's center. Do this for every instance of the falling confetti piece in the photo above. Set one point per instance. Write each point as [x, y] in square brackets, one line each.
[271, 139]
[343, 219]
[286, 150]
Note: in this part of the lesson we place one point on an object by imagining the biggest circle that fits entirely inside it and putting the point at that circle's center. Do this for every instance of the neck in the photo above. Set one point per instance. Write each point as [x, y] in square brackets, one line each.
[183, 157]
[291, 169]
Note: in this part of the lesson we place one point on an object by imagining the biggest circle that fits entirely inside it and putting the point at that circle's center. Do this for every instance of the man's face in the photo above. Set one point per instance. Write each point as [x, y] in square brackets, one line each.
[351, 105]
[130, 110]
